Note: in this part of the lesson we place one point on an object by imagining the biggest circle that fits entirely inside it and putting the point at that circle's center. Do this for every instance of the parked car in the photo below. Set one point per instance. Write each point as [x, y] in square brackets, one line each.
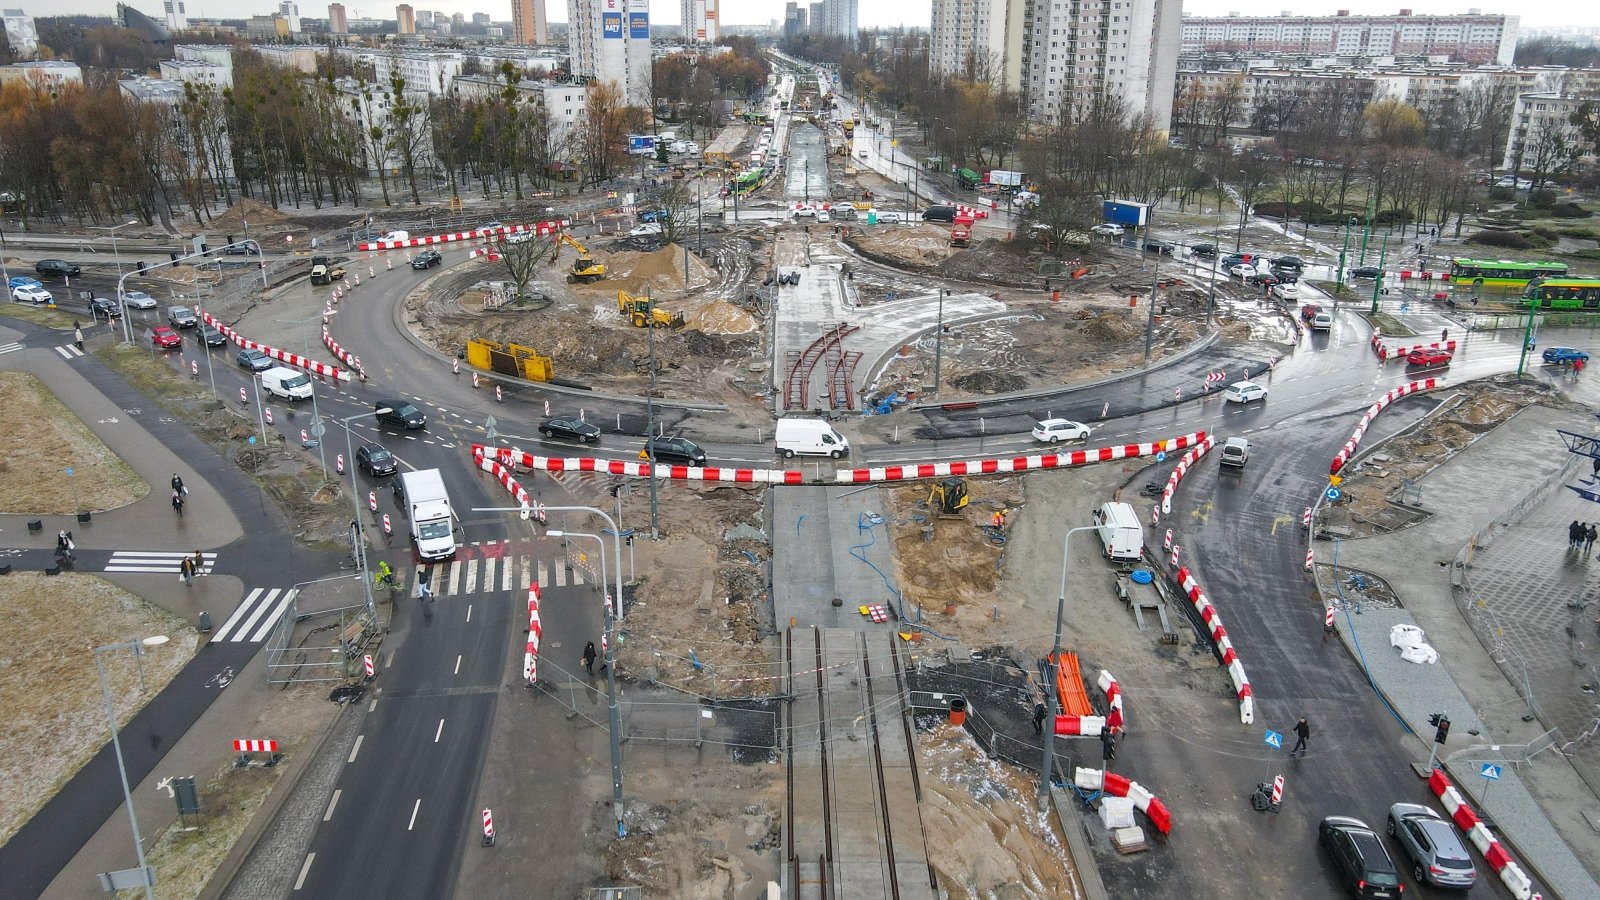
[1359, 857]
[1056, 430]
[400, 414]
[941, 212]
[17, 281]
[674, 450]
[254, 360]
[1242, 270]
[164, 337]
[570, 428]
[427, 259]
[243, 248]
[1260, 278]
[1309, 311]
[1244, 392]
[490, 227]
[138, 300]
[890, 218]
[1425, 356]
[1109, 229]
[375, 460]
[100, 306]
[210, 337]
[1437, 855]
[1204, 249]
[1289, 262]
[1366, 272]
[29, 294]
[56, 268]
[1564, 355]
[181, 317]
[651, 229]
[1163, 247]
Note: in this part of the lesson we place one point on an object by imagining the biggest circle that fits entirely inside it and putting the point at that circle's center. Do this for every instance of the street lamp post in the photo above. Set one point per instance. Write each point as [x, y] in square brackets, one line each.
[127, 327]
[938, 345]
[113, 229]
[359, 543]
[145, 875]
[1052, 701]
[1244, 212]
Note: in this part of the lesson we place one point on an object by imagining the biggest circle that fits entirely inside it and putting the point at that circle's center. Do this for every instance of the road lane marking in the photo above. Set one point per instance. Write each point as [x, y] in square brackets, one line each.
[414, 810]
[328, 816]
[458, 665]
[304, 868]
[374, 704]
[439, 732]
[356, 749]
[469, 612]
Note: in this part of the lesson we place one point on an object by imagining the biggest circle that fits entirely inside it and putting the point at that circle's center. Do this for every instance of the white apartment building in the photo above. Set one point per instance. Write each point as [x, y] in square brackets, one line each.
[1469, 38]
[838, 19]
[1536, 118]
[290, 11]
[425, 72]
[564, 102]
[1074, 50]
[298, 57]
[701, 22]
[177, 17]
[197, 71]
[44, 73]
[21, 33]
[216, 54]
[983, 37]
[609, 40]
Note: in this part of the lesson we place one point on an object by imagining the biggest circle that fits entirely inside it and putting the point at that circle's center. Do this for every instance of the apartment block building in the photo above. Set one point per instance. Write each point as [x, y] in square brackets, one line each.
[529, 23]
[1469, 38]
[609, 40]
[337, 23]
[978, 38]
[701, 21]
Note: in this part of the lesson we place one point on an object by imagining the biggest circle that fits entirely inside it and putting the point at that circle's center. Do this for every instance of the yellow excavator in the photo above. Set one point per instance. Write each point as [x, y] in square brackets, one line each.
[948, 498]
[642, 311]
[584, 268]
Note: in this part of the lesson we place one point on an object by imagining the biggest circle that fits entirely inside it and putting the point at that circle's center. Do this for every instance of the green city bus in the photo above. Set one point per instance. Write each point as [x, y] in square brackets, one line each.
[1503, 273]
[1563, 293]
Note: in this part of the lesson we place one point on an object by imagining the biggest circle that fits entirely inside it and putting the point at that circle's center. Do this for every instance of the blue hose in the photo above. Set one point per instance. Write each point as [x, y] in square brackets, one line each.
[866, 522]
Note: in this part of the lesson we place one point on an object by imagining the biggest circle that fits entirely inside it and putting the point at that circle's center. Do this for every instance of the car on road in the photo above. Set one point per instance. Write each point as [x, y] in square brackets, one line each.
[1360, 859]
[943, 212]
[804, 212]
[1244, 392]
[254, 360]
[1109, 229]
[181, 317]
[17, 281]
[1162, 247]
[101, 306]
[1056, 430]
[570, 428]
[1236, 452]
[1564, 355]
[862, 154]
[427, 259]
[1366, 272]
[138, 300]
[889, 218]
[1261, 278]
[243, 248]
[1310, 311]
[1427, 356]
[29, 294]
[823, 216]
[674, 450]
[375, 460]
[395, 236]
[1438, 856]
[164, 337]
[1242, 270]
[651, 229]
[209, 336]
[399, 413]
[56, 268]
[1287, 291]
[1289, 262]
[1204, 249]
[1321, 322]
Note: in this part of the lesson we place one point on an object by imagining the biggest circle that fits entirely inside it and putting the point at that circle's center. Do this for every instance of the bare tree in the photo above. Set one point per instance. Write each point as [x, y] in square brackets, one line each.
[672, 206]
[523, 259]
[601, 136]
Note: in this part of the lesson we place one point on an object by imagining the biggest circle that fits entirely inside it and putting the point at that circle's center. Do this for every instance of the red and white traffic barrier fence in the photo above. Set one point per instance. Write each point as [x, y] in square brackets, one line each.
[530, 658]
[1017, 463]
[1349, 449]
[293, 359]
[1079, 726]
[538, 228]
[513, 457]
[487, 251]
[488, 828]
[1494, 853]
[343, 355]
[366, 664]
[530, 508]
[1117, 786]
[1219, 636]
[247, 747]
[973, 211]
[1386, 353]
[1113, 692]
[1189, 459]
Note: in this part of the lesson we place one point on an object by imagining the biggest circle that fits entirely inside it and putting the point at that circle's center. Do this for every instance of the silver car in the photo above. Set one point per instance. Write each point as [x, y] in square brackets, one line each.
[1437, 854]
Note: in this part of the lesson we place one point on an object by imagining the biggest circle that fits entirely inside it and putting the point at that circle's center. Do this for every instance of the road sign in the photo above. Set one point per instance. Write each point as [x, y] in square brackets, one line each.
[1490, 771]
[1274, 739]
[1161, 456]
[1333, 493]
[1335, 480]
[252, 440]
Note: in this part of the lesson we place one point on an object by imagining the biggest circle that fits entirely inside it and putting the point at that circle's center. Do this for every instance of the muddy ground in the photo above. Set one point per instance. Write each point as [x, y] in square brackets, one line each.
[943, 563]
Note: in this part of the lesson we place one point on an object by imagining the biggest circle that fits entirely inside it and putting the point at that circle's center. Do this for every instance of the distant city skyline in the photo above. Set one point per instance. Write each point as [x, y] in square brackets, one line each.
[873, 14]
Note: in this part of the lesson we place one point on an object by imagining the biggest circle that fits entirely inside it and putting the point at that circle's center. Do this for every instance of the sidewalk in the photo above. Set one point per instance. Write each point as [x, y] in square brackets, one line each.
[1537, 806]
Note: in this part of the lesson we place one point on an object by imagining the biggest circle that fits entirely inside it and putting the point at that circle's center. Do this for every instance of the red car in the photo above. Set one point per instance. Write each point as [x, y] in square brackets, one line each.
[165, 338]
[1428, 357]
[1309, 311]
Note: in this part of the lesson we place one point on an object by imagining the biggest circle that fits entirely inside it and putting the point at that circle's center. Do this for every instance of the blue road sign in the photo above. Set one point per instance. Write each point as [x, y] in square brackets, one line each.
[252, 440]
[1490, 771]
[1274, 739]
[1333, 493]
[1161, 456]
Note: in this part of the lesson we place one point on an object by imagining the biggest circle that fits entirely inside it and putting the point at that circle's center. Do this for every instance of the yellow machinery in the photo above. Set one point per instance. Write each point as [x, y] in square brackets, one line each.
[948, 497]
[508, 359]
[584, 268]
[642, 311]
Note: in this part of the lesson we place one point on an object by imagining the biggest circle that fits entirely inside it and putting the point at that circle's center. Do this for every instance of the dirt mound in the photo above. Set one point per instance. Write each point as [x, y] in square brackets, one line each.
[719, 317]
[252, 211]
[988, 383]
[990, 260]
[659, 272]
[1107, 325]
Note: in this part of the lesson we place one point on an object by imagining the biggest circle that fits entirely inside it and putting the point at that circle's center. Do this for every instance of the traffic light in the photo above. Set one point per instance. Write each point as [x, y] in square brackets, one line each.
[1441, 722]
[1108, 745]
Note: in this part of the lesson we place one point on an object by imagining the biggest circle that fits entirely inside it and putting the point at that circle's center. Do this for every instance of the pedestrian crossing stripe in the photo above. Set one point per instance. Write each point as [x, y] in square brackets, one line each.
[485, 575]
[256, 615]
[67, 351]
[10, 348]
[158, 561]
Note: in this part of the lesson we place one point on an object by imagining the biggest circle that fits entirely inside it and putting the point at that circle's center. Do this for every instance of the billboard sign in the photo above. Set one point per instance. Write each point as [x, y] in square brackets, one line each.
[639, 26]
[611, 26]
[641, 144]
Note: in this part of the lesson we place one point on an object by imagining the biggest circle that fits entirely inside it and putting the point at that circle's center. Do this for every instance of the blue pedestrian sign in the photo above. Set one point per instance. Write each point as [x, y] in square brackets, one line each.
[1274, 739]
[1490, 771]
[1333, 493]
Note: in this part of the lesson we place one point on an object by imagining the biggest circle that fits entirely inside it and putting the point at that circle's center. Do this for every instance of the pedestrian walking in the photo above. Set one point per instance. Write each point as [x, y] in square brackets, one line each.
[1577, 367]
[1589, 535]
[588, 657]
[199, 561]
[1595, 468]
[1302, 731]
[186, 570]
[177, 503]
[64, 545]
[1038, 718]
[1575, 531]
[424, 593]
[77, 336]
[177, 485]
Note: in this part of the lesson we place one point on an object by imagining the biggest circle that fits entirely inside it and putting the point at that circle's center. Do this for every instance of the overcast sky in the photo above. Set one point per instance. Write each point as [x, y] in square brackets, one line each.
[872, 12]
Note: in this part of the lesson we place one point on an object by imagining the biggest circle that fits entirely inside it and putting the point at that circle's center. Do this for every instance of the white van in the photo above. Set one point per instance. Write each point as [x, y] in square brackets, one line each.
[811, 437]
[396, 236]
[1120, 532]
[280, 381]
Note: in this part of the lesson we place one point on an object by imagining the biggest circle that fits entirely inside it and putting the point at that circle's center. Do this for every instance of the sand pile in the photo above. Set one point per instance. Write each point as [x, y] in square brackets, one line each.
[657, 273]
[255, 212]
[718, 317]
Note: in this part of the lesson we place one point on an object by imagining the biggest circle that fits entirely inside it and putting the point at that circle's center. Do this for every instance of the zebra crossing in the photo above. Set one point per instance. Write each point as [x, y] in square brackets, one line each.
[10, 348]
[488, 574]
[256, 615]
[68, 352]
[157, 561]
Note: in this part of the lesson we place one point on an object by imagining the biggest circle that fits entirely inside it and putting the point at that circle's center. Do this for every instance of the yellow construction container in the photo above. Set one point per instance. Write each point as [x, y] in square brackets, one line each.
[509, 359]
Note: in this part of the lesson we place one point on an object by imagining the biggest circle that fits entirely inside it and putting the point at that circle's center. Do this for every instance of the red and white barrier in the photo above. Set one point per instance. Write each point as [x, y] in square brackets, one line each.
[366, 663]
[487, 251]
[343, 355]
[1016, 463]
[1117, 786]
[1219, 636]
[502, 471]
[1349, 449]
[388, 527]
[1079, 726]
[244, 746]
[1386, 352]
[1113, 692]
[1189, 459]
[538, 228]
[293, 359]
[372, 500]
[488, 827]
[972, 211]
[1494, 853]
[530, 659]
[1277, 791]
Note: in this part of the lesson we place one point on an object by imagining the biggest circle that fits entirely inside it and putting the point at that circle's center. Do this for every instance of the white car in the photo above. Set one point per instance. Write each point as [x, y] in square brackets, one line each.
[139, 300]
[804, 212]
[1244, 392]
[1110, 229]
[1243, 270]
[889, 218]
[489, 228]
[1053, 431]
[1321, 322]
[646, 229]
[27, 293]
[822, 216]
[1287, 291]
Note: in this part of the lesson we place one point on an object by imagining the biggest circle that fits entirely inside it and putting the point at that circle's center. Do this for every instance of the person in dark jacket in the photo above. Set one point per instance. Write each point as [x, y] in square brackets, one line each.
[1038, 718]
[588, 657]
[1575, 533]
[1302, 732]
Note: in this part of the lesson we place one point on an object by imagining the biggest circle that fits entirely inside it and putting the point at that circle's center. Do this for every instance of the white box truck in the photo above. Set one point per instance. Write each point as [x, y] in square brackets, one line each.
[810, 437]
[281, 381]
[426, 503]
[1120, 532]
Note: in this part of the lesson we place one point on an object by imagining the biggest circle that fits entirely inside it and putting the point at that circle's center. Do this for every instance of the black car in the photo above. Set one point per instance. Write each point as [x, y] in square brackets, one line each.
[1155, 246]
[375, 460]
[400, 413]
[939, 213]
[1289, 262]
[674, 450]
[1207, 250]
[571, 428]
[427, 259]
[243, 248]
[58, 268]
[209, 336]
[1366, 272]
[1358, 854]
[1264, 278]
[100, 306]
